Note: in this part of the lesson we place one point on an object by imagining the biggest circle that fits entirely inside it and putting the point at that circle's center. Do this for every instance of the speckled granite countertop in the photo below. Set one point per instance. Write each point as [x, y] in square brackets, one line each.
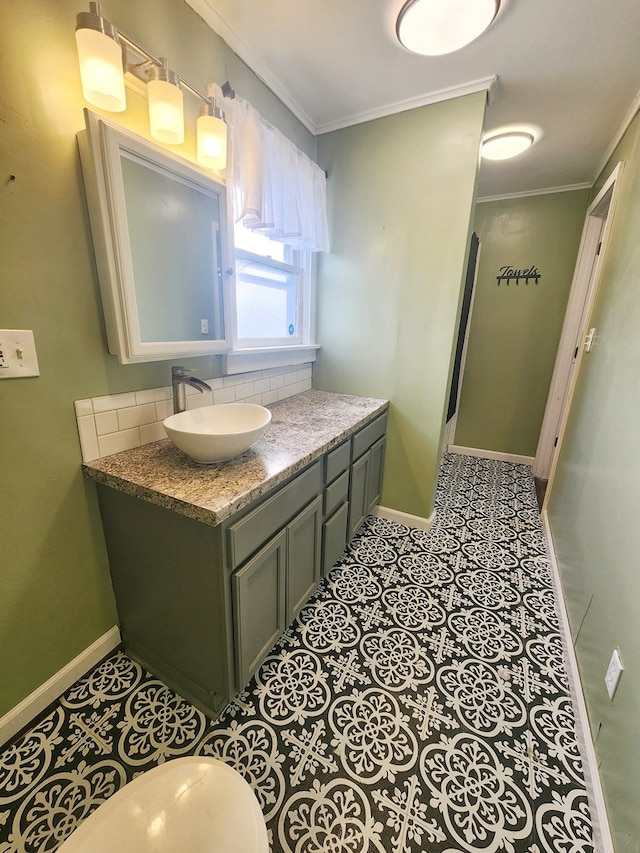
[302, 428]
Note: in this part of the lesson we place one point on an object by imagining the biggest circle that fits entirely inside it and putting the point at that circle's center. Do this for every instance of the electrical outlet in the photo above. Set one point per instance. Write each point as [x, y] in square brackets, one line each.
[204, 327]
[614, 671]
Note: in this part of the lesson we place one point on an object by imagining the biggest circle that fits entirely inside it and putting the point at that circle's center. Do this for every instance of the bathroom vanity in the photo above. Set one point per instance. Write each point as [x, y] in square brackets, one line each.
[210, 564]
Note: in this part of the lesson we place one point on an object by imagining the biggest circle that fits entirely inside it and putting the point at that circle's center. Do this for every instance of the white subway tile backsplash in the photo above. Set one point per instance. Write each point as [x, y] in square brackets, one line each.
[117, 422]
[116, 442]
[114, 401]
[152, 395]
[88, 437]
[163, 409]
[224, 395]
[83, 407]
[106, 422]
[134, 416]
[152, 432]
[244, 391]
[261, 386]
[199, 401]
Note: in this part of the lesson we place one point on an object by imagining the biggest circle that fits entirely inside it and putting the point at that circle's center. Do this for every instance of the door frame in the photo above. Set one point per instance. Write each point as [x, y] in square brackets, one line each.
[450, 425]
[593, 246]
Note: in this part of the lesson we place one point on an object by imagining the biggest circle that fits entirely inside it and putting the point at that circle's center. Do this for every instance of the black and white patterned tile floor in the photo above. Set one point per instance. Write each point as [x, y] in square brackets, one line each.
[419, 703]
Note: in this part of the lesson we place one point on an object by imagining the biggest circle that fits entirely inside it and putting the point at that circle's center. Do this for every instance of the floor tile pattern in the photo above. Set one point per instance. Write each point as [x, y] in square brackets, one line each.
[419, 703]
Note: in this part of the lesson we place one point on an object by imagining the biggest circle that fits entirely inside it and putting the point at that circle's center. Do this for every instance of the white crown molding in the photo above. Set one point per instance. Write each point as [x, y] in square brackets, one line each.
[264, 73]
[484, 84]
[250, 58]
[568, 188]
[624, 127]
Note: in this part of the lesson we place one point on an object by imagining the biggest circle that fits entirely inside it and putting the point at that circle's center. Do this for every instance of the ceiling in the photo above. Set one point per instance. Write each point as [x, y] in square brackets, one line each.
[571, 68]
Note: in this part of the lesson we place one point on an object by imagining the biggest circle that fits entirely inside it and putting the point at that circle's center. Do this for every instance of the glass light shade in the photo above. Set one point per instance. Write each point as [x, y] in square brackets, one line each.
[101, 71]
[166, 117]
[212, 142]
[435, 27]
[502, 146]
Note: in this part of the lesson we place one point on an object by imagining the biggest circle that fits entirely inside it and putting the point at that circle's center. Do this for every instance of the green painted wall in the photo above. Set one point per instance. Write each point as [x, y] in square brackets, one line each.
[515, 330]
[400, 192]
[55, 592]
[593, 509]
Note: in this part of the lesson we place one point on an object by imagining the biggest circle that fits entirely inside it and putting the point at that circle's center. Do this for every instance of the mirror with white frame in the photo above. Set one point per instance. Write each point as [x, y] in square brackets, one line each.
[159, 228]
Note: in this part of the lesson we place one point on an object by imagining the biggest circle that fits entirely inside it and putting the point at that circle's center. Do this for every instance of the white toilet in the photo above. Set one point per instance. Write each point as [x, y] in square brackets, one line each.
[190, 805]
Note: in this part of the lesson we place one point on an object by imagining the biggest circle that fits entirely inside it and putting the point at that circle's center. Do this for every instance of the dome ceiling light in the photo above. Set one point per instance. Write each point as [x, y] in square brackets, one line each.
[435, 27]
[502, 146]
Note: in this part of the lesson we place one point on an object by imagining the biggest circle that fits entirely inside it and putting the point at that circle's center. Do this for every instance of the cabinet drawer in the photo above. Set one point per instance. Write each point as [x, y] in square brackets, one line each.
[337, 461]
[258, 526]
[368, 435]
[336, 493]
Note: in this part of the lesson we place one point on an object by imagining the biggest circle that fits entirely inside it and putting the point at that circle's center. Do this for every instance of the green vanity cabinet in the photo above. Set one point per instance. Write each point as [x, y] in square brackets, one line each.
[368, 447]
[335, 505]
[173, 596]
[202, 604]
[272, 587]
[259, 604]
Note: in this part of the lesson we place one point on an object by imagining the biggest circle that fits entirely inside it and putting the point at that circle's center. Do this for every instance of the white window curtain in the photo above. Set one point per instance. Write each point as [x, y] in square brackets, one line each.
[277, 190]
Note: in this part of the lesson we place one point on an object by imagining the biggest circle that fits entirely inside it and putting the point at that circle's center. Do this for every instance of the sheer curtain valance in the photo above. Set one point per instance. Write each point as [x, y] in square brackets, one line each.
[277, 190]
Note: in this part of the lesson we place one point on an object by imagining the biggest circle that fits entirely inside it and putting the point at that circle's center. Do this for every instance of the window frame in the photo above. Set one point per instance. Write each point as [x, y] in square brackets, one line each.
[259, 354]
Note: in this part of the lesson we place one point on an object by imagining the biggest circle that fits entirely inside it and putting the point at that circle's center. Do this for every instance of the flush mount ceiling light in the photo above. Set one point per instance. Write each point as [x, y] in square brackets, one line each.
[105, 53]
[435, 27]
[502, 146]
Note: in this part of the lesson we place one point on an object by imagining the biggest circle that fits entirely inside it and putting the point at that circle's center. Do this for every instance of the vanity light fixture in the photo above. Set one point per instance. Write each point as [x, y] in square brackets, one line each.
[502, 146]
[166, 115]
[106, 53]
[436, 27]
[100, 57]
[212, 137]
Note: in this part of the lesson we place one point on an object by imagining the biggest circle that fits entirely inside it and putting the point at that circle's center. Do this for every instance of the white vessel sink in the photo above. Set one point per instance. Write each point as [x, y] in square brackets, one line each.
[216, 433]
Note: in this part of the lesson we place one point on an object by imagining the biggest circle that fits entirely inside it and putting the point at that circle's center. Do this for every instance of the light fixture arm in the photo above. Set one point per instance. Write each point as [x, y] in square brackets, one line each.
[106, 54]
[136, 59]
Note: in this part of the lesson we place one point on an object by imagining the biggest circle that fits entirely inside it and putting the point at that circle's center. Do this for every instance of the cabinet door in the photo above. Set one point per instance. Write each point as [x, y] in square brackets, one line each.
[334, 537]
[358, 507]
[374, 481]
[259, 598]
[303, 556]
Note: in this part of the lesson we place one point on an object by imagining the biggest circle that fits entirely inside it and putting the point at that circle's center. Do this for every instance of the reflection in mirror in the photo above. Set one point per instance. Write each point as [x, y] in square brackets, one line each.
[177, 274]
[160, 236]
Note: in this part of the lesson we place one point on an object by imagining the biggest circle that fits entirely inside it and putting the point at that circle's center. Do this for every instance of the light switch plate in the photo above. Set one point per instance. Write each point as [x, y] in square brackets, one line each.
[614, 671]
[18, 357]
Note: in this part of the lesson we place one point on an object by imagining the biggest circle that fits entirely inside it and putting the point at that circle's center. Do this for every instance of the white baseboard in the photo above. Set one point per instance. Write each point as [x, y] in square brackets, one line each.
[20, 716]
[403, 517]
[603, 842]
[491, 454]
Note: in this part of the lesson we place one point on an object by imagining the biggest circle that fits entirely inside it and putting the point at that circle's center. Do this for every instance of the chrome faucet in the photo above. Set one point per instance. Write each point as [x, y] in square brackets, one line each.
[179, 379]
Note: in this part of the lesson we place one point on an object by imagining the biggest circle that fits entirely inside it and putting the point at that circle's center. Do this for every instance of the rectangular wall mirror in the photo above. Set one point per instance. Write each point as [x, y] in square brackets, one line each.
[159, 227]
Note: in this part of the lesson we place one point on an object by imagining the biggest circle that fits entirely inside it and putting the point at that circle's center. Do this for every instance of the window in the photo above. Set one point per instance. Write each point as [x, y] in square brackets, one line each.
[273, 298]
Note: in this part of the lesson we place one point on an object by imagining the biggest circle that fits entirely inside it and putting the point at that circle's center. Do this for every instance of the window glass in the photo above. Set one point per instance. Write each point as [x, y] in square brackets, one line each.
[269, 291]
[266, 300]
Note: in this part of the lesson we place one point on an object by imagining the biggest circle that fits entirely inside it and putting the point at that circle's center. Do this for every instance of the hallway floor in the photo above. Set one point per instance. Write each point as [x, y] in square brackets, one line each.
[419, 703]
